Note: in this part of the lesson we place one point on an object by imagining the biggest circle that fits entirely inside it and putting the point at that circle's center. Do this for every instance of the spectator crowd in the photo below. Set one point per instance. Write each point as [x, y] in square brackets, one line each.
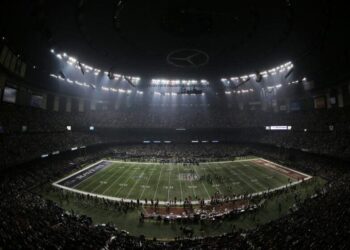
[28, 133]
[28, 221]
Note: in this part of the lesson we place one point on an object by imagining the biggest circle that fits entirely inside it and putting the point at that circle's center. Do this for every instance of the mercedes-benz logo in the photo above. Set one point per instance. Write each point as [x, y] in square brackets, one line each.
[188, 58]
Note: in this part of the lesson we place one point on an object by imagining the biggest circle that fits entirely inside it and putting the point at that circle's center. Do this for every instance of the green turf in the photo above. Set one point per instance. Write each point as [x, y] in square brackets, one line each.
[163, 182]
[151, 229]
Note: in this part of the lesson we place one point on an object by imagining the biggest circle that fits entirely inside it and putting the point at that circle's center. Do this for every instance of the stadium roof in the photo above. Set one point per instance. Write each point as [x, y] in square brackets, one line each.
[191, 38]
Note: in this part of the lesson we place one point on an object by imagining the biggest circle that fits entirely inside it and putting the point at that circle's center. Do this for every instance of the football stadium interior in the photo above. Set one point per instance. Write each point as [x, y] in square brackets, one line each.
[180, 124]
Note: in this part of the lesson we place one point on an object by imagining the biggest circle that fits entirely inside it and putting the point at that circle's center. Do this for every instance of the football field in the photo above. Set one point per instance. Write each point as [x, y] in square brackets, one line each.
[135, 180]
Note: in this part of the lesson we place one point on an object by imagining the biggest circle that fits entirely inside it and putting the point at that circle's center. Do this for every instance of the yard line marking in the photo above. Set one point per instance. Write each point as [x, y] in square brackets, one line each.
[106, 173]
[246, 182]
[233, 180]
[169, 184]
[272, 181]
[178, 170]
[149, 178]
[194, 168]
[261, 185]
[160, 174]
[121, 187]
[115, 180]
[210, 170]
[193, 189]
[136, 182]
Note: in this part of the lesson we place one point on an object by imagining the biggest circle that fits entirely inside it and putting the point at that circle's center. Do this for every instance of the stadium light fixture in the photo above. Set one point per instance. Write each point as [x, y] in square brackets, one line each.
[72, 59]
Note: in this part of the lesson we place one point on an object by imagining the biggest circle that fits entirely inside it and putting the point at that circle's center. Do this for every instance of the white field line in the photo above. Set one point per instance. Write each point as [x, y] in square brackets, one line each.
[160, 174]
[165, 202]
[292, 170]
[149, 178]
[178, 170]
[158, 163]
[230, 178]
[193, 189]
[103, 176]
[169, 184]
[215, 185]
[111, 177]
[239, 176]
[221, 162]
[136, 182]
[104, 191]
[194, 168]
[249, 178]
[129, 177]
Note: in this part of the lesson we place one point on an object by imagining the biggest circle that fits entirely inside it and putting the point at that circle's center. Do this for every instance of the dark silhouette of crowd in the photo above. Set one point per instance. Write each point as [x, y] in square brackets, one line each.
[28, 221]
[28, 133]
[12, 117]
